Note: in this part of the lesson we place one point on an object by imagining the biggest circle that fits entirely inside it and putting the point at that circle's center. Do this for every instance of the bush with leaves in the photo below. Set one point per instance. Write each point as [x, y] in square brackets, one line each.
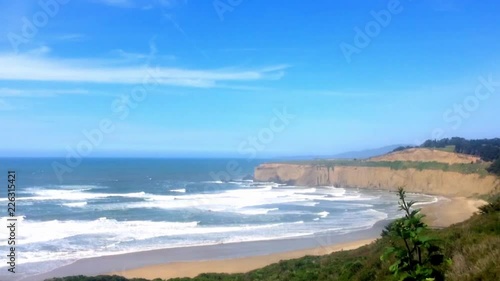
[493, 206]
[417, 256]
[495, 167]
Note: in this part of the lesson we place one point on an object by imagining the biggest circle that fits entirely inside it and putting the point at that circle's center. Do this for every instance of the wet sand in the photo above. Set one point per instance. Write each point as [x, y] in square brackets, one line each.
[239, 265]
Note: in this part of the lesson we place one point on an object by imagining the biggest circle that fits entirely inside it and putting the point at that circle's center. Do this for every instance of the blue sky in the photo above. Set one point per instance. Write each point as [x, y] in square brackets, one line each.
[222, 74]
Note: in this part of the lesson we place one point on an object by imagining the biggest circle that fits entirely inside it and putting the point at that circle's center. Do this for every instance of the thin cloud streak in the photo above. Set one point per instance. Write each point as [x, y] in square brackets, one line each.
[22, 93]
[30, 68]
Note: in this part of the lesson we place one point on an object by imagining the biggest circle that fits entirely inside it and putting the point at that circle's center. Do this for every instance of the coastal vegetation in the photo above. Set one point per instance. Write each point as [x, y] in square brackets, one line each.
[487, 149]
[473, 247]
[417, 256]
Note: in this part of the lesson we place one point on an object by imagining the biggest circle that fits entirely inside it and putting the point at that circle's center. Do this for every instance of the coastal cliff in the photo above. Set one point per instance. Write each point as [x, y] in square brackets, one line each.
[414, 180]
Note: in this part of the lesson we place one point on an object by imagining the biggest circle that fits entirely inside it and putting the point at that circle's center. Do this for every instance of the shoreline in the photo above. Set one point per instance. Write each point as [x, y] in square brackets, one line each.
[246, 256]
[238, 265]
[122, 263]
[443, 213]
[448, 211]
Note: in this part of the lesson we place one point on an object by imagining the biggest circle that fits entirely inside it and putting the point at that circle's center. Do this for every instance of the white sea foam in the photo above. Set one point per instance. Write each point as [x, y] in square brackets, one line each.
[307, 190]
[111, 232]
[44, 231]
[66, 256]
[230, 200]
[76, 195]
[306, 204]
[118, 231]
[269, 208]
[244, 201]
[104, 236]
[434, 200]
[263, 199]
[76, 204]
[323, 214]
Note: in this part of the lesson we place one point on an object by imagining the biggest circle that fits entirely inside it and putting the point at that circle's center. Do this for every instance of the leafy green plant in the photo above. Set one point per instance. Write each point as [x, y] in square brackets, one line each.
[417, 256]
[495, 167]
[492, 207]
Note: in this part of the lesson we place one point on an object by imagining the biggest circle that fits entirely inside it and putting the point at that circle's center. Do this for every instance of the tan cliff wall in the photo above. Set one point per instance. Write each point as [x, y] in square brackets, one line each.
[425, 181]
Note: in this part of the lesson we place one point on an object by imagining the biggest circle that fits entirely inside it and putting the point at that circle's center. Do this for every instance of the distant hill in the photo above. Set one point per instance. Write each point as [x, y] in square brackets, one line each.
[362, 154]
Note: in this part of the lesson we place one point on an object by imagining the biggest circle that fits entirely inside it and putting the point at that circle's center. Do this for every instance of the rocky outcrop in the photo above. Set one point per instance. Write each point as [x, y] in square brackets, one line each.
[423, 181]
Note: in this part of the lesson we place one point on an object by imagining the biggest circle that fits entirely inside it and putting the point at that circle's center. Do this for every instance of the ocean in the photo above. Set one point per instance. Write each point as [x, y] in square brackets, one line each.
[113, 206]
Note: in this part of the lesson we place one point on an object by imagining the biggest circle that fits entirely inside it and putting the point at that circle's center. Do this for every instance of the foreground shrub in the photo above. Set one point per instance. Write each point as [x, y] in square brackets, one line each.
[418, 257]
[492, 207]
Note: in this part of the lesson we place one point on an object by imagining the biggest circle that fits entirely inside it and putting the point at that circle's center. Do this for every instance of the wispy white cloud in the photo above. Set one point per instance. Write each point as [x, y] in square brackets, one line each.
[129, 55]
[153, 54]
[40, 51]
[21, 92]
[34, 68]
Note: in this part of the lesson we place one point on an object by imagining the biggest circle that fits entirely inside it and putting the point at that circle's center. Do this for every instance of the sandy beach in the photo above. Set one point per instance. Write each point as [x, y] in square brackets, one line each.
[445, 212]
[192, 269]
[450, 211]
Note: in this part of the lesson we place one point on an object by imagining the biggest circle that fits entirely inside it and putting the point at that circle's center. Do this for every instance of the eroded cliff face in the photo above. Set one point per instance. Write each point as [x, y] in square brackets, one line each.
[425, 181]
